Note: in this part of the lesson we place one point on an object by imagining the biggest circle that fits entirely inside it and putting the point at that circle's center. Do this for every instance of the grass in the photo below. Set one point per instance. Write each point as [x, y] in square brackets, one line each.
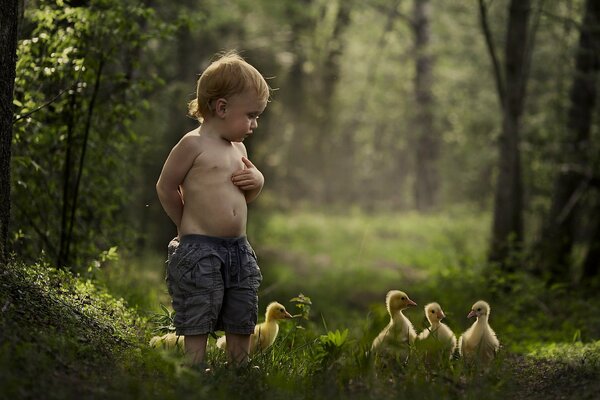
[69, 337]
[348, 262]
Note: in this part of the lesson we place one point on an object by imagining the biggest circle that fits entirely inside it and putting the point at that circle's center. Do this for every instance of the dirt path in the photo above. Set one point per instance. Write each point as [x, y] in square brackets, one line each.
[546, 379]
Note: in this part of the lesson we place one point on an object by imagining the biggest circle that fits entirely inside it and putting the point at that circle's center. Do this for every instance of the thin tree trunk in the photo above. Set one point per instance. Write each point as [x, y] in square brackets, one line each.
[507, 231]
[571, 182]
[67, 187]
[427, 141]
[298, 91]
[65, 262]
[336, 152]
[9, 17]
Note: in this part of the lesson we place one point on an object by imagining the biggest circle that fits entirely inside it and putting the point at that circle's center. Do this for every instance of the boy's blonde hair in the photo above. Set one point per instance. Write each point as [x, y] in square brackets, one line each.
[226, 76]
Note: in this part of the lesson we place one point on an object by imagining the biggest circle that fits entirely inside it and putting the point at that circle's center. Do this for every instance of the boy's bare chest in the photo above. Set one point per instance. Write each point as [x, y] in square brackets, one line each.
[219, 161]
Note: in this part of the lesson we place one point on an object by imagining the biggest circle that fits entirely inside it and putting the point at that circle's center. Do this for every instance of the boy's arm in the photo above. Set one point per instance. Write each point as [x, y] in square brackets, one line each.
[174, 170]
[249, 179]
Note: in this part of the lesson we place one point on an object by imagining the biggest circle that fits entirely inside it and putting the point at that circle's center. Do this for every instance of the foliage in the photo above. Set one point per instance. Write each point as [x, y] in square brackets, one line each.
[64, 337]
[303, 305]
[80, 83]
[577, 354]
[72, 338]
[163, 321]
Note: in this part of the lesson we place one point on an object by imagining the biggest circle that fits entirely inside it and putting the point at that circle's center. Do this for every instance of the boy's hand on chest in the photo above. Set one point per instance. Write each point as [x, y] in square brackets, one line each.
[248, 177]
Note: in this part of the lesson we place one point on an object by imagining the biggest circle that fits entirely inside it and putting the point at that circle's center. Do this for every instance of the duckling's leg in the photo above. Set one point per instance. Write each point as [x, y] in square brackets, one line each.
[238, 348]
[195, 349]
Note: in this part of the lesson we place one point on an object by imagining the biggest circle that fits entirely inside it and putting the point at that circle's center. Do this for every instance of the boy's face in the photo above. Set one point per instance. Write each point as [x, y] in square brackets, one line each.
[240, 115]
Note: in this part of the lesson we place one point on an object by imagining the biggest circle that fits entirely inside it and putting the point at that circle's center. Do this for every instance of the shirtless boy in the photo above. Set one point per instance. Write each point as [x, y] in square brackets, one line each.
[204, 187]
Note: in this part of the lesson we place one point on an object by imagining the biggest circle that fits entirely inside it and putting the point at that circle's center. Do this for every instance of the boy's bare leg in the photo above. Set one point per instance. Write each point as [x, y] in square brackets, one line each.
[195, 348]
[238, 348]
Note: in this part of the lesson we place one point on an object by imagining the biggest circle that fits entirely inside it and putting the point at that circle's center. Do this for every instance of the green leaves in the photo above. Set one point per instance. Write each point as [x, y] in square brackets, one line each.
[303, 304]
[80, 82]
[335, 339]
[163, 321]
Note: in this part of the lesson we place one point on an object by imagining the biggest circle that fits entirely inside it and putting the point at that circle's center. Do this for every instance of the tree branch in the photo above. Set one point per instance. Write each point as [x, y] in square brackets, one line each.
[500, 86]
[43, 105]
[529, 48]
[393, 13]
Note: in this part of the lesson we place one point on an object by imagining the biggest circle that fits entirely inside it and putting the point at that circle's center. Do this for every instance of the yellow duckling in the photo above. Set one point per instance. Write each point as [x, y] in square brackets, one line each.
[400, 330]
[265, 333]
[479, 342]
[167, 341]
[437, 329]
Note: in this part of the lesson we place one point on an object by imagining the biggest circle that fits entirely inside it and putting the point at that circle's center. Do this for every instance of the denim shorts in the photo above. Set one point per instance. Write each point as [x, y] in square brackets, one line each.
[213, 283]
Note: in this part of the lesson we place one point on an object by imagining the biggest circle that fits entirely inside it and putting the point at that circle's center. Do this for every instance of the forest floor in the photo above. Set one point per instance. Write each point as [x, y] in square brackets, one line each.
[66, 336]
[62, 337]
[551, 379]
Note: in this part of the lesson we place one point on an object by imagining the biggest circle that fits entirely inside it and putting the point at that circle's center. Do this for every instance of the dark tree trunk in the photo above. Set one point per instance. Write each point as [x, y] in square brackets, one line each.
[572, 182]
[591, 263]
[507, 231]
[9, 13]
[427, 140]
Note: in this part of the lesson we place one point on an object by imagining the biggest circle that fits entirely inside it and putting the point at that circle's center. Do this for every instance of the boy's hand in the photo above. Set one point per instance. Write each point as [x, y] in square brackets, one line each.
[249, 178]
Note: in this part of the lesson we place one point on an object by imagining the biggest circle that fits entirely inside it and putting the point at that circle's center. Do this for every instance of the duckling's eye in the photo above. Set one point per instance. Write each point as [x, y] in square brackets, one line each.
[404, 298]
[479, 309]
[281, 309]
[433, 311]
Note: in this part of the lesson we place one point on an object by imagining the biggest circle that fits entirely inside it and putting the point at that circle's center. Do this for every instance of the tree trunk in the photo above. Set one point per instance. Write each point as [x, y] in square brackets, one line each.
[572, 180]
[427, 140]
[332, 150]
[507, 231]
[298, 90]
[591, 263]
[9, 13]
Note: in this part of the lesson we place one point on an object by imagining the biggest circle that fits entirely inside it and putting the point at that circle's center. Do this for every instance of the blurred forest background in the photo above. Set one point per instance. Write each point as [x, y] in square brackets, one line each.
[379, 106]
[450, 149]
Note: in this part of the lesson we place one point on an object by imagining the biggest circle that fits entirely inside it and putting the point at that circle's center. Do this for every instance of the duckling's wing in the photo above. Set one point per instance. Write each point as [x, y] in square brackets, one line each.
[424, 334]
[460, 345]
[412, 334]
[493, 338]
[378, 341]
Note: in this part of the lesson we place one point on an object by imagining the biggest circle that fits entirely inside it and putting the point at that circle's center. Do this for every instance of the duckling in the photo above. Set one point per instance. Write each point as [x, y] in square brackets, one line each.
[479, 342]
[168, 341]
[437, 329]
[265, 333]
[399, 330]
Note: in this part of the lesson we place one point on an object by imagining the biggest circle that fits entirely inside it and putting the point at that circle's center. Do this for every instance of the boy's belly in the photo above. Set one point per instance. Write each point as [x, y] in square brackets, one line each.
[215, 212]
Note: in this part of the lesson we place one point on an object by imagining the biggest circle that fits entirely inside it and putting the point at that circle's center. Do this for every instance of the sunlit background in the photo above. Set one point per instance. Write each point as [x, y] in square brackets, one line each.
[380, 145]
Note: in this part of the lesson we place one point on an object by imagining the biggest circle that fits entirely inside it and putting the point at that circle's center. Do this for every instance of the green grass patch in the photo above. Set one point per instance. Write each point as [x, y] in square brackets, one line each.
[65, 336]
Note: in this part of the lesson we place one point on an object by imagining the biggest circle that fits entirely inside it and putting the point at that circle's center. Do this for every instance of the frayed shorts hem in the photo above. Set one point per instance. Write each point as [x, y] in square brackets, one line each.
[238, 329]
[194, 330]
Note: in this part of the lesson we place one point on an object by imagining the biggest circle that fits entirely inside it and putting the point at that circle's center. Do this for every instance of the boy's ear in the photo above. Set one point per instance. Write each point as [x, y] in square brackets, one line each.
[220, 107]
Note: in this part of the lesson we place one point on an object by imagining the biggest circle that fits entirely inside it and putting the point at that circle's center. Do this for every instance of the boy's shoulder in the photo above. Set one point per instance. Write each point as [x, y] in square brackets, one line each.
[192, 138]
[193, 134]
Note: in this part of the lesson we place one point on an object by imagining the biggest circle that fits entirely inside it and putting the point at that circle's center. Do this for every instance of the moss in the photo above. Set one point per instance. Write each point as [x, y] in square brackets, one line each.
[62, 337]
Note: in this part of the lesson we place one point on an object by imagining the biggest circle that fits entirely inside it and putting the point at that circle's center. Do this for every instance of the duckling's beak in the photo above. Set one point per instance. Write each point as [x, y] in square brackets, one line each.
[288, 315]
[472, 314]
[442, 315]
[409, 302]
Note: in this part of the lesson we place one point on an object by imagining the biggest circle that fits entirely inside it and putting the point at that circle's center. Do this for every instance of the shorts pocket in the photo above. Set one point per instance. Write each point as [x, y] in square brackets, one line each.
[250, 269]
[207, 272]
[198, 311]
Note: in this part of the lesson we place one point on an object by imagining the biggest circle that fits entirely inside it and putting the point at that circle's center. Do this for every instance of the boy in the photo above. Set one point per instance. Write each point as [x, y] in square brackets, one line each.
[204, 187]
